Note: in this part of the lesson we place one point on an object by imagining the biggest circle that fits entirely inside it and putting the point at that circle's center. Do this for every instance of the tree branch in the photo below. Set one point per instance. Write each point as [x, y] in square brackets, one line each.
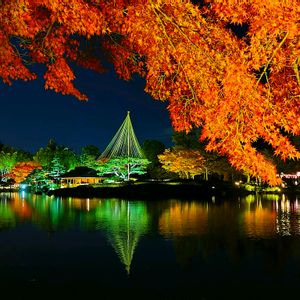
[271, 58]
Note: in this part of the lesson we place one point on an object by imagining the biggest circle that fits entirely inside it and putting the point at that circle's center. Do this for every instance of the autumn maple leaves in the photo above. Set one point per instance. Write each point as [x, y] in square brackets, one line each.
[237, 89]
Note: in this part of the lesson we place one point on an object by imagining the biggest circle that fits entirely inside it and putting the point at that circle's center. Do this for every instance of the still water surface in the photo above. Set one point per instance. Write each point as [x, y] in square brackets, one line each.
[210, 248]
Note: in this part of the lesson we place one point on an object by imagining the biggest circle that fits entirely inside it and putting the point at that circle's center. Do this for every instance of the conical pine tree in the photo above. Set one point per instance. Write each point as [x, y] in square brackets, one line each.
[123, 156]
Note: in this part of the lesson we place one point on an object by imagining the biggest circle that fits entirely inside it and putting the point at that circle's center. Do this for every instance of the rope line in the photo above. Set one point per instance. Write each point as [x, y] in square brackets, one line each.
[124, 143]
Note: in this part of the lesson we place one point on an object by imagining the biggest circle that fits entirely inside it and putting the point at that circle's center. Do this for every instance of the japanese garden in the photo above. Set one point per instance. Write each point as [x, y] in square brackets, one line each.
[214, 215]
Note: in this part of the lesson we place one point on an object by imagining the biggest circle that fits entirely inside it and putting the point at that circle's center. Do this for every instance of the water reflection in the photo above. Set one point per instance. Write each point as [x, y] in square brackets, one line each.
[288, 217]
[245, 233]
[125, 222]
[7, 215]
[257, 216]
[195, 228]
[184, 219]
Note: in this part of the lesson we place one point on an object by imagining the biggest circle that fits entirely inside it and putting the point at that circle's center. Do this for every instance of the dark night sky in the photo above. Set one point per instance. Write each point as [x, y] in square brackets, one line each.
[31, 115]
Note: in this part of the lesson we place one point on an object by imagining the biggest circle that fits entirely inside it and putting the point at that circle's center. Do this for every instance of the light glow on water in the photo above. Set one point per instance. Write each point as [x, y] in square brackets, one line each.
[119, 242]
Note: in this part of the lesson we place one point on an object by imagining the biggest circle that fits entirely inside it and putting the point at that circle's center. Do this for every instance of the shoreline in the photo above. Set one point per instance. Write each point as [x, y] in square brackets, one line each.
[144, 191]
[158, 191]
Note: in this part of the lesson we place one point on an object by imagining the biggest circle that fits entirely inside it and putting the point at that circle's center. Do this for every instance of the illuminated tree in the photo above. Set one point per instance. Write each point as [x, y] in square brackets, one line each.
[123, 168]
[213, 162]
[7, 161]
[55, 160]
[22, 169]
[66, 157]
[186, 163]
[237, 87]
[123, 156]
[40, 180]
[54, 157]
[9, 156]
[44, 156]
[289, 165]
[56, 168]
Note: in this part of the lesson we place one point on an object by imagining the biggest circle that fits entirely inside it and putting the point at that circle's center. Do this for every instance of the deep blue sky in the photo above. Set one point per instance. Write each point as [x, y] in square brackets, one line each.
[31, 115]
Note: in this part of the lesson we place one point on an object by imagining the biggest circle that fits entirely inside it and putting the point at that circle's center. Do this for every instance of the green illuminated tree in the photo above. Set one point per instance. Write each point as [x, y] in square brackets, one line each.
[54, 155]
[67, 157]
[39, 180]
[123, 156]
[45, 155]
[7, 161]
[56, 168]
[55, 160]
[123, 167]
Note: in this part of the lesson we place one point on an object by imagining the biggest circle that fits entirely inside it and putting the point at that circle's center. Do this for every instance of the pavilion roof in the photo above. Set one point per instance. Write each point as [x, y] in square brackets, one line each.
[81, 172]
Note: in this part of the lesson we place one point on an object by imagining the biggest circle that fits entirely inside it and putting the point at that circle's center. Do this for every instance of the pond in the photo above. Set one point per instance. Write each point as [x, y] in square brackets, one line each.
[207, 248]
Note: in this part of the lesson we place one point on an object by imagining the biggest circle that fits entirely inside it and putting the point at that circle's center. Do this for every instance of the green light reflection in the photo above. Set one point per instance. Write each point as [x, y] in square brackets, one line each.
[125, 222]
[7, 216]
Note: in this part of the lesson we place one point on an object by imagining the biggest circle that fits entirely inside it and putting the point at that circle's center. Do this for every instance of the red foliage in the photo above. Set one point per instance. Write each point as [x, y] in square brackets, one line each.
[22, 169]
[238, 90]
